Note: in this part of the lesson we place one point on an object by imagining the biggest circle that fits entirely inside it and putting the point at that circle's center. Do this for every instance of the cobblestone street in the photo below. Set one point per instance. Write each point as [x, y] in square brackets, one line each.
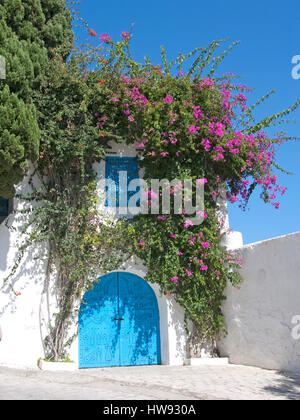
[149, 383]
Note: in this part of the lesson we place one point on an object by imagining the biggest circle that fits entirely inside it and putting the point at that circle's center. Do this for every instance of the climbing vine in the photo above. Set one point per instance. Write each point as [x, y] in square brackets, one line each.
[185, 123]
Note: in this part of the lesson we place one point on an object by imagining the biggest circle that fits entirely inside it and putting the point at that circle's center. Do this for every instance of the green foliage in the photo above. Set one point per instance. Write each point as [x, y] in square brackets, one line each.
[65, 217]
[19, 140]
[31, 33]
[200, 293]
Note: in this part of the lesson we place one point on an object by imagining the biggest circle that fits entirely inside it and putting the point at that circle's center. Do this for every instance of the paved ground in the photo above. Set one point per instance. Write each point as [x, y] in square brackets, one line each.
[150, 382]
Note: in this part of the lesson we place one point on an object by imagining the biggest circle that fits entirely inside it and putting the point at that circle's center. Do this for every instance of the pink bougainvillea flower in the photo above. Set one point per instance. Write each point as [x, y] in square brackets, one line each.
[215, 194]
[92, 32]
[273, 179]
[125, 36]
[192, 240]
[202, 213]
[130, 118]
[197, 112]
[206, 144]
[233, 198]
[193, 129]
[219, 156]
[142, 243]
[216, 128]
[172, 235]
[151, 194]
[201, 181]
[188, 223]
[218, 273]
[205, 244]
[203, 267]
[179, 253]
[168, 99]
[188, 273]
[105, 38]
[174, 279]
[207, 82]
[161, 217]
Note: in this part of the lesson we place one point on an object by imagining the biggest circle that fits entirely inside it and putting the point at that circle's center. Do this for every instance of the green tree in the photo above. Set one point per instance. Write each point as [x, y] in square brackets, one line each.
[32, 32]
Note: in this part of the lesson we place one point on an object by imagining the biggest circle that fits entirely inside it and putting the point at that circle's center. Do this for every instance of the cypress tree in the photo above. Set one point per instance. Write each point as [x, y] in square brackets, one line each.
[32, 32]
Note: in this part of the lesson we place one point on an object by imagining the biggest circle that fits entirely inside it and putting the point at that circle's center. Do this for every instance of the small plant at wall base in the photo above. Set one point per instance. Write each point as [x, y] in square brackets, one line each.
[184, 126]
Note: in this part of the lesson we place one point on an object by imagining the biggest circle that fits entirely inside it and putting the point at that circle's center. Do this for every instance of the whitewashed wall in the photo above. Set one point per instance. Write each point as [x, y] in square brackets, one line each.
[259, 315]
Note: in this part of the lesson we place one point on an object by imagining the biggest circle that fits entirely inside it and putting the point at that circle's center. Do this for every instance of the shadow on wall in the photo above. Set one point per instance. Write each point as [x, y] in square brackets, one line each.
[176, 313]
[4, 245]
[30, 272]
[142, 323]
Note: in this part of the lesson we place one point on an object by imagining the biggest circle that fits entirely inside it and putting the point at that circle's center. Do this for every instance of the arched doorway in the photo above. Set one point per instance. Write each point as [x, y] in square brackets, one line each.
[119, 323]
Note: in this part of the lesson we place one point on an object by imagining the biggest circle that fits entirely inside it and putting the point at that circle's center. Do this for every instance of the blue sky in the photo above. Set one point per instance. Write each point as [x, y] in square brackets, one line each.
[269, 35]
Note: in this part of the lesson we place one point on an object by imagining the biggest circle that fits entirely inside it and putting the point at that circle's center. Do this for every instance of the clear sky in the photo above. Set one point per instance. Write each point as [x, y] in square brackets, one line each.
[269, 35]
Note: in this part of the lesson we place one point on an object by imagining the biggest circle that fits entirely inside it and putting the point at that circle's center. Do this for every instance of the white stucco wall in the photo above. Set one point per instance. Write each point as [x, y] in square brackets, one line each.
[259, 315]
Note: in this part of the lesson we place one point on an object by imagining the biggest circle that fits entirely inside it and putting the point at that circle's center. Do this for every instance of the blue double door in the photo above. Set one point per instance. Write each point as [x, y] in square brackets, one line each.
[119, 323]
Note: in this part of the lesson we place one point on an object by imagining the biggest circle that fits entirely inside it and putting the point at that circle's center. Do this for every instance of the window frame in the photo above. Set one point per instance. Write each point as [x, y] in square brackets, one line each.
[109, 160]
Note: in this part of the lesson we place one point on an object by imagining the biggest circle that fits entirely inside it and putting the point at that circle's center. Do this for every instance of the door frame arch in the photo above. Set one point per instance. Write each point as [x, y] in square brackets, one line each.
[103, 342]
[173, 336]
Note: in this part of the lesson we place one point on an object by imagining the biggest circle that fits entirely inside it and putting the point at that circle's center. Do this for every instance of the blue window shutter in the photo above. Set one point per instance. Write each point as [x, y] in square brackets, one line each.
[113, 166]
[4, 209]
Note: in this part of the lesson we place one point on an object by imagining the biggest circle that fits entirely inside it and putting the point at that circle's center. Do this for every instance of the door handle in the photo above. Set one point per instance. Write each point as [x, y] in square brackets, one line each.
[119, 319]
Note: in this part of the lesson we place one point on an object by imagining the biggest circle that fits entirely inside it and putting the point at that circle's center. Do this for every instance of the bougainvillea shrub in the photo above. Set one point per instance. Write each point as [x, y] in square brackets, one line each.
[185, 123]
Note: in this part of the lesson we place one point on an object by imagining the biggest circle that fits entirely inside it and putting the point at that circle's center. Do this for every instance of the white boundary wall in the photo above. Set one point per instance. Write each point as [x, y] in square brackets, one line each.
[259, 315]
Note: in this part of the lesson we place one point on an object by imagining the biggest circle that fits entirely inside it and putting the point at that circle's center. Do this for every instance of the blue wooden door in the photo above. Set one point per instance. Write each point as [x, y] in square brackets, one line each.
[119, 323]
[98, 331]
[139, 335]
